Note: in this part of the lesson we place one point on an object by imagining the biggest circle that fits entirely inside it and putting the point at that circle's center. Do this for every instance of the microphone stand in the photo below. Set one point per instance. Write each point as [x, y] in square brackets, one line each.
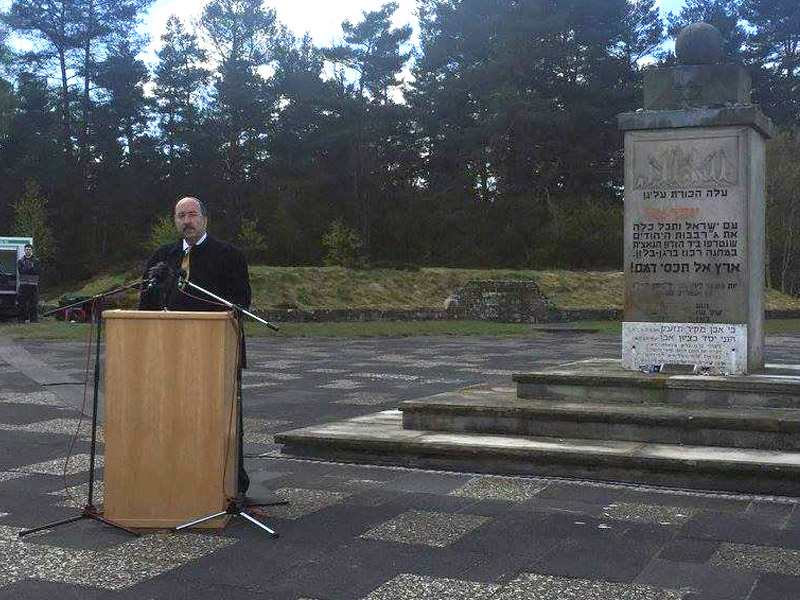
[236, 506]
[89, 511]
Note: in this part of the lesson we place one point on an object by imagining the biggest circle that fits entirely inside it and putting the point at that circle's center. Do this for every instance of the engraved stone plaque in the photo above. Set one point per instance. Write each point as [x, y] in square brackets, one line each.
[685, 223]
[720, 347]
[694, 245]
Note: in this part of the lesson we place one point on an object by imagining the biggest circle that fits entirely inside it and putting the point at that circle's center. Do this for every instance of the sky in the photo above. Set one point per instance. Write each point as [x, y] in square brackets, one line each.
[320, 18]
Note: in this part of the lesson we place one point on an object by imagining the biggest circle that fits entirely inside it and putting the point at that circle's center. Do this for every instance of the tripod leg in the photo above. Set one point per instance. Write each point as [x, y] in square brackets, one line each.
[25, 532]
[202, 520]
[258, 523]
[92, 513]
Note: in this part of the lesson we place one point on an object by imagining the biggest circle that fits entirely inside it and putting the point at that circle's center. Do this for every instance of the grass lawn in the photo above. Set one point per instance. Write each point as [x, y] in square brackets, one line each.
[336, 287]
[308, 288]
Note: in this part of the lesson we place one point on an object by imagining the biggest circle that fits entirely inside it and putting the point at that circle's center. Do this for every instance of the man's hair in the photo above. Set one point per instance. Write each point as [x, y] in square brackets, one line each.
[199, 203]
[31, 247]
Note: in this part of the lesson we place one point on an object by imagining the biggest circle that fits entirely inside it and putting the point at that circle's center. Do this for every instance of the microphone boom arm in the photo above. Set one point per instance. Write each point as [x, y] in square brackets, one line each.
[183, 282]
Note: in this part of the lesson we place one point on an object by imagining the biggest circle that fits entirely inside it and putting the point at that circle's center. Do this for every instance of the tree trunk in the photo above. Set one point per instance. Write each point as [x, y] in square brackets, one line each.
[66, 125]
[86, 108]
[788, 250]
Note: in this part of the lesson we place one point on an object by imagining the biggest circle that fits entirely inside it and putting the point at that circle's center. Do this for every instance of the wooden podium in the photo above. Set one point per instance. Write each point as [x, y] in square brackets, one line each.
[170, 417]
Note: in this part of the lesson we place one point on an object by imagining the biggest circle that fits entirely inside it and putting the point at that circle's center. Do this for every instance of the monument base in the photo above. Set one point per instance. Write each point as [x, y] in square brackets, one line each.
[605, 380]
[594, 420]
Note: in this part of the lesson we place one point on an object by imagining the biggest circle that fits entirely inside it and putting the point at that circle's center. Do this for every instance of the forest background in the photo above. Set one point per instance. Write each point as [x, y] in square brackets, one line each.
[500, 150]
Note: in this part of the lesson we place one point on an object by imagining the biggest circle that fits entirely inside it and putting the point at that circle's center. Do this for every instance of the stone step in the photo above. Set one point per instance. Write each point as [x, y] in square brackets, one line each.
[605, 381]
[497, 410]
[381, 439]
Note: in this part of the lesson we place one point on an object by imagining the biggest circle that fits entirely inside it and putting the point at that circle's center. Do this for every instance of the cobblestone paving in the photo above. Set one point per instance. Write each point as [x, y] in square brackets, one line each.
[358, 532]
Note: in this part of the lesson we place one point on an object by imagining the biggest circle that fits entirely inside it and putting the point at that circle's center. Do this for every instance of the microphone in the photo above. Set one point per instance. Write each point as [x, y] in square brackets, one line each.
[148, 283]
[182, 279]
[157, 274]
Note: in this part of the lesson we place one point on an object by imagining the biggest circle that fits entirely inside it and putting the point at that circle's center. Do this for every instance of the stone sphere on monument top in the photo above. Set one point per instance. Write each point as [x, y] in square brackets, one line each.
[699, 44]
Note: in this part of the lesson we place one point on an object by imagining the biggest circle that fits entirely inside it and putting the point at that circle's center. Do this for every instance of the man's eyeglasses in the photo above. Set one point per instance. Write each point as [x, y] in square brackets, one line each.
[187, 215]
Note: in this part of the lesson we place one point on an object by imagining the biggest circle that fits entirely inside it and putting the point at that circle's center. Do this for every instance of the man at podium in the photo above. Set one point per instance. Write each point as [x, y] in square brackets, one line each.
[206, 261]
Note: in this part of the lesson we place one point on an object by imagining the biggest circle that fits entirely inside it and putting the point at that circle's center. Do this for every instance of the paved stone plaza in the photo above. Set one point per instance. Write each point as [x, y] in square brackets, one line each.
[353, 532]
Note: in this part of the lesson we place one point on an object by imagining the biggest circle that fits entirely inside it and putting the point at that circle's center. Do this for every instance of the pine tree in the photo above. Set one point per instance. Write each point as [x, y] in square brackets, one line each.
[774, 50]
[53, 26]
[7, 96]
[101, 24]
[180, 83]
[375, 52]
[242, 35]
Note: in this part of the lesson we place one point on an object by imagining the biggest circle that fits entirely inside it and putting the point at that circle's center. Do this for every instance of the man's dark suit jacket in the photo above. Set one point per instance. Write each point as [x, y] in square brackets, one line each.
[215, 265]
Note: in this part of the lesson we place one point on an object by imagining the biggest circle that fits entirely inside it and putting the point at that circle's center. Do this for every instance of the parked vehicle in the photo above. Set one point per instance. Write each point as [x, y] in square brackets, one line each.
[11, 250]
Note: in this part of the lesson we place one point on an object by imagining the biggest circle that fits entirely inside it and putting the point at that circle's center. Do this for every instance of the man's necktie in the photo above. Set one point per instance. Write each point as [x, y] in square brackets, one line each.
[185, 262]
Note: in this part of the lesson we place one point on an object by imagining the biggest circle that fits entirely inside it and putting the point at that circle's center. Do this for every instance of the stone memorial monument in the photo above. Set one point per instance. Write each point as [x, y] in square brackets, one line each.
[694, 256]
[694, 215]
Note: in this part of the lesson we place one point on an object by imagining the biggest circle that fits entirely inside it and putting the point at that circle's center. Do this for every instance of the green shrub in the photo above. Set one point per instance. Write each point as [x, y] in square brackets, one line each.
[31, 219]
[342, 245]
[163, 232]
[251, 241]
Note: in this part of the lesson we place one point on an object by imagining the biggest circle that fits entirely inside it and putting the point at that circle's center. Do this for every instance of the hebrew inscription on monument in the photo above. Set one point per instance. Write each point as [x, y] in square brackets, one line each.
[684, 216]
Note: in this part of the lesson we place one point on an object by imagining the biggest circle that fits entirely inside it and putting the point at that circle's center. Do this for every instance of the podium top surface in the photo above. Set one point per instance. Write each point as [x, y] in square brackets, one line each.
[168, 314]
